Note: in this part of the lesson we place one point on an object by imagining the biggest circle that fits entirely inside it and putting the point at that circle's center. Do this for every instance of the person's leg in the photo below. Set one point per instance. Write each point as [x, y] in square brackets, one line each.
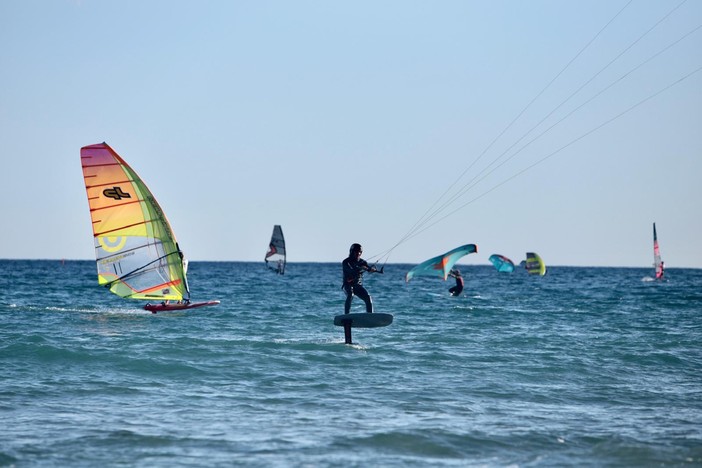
[349, 296]
[361, 292]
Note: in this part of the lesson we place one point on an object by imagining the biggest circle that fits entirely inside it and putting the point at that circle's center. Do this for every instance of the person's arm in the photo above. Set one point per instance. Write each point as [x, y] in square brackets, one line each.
[372, 269]
[364, 266]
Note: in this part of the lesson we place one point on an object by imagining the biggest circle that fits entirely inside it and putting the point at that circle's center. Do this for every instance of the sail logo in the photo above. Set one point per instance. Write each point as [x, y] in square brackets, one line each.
[116, 193]
[112, 243]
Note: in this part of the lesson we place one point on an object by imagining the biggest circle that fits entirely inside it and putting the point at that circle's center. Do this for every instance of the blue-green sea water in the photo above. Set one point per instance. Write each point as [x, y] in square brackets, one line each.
[582, 367]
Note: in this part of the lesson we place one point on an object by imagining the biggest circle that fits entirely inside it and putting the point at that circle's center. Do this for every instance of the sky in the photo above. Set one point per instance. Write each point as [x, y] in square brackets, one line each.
[563, 128]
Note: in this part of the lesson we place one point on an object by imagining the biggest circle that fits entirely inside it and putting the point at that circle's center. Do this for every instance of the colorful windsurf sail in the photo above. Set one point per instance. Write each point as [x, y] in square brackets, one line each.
[441, 265]
[657, 262]
[276, 257]
[137, 253]
[502, 263]
[534, 265]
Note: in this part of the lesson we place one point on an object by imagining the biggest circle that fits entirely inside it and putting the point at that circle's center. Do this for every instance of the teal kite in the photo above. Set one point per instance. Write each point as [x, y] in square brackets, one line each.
[441, 266]
[502, 263]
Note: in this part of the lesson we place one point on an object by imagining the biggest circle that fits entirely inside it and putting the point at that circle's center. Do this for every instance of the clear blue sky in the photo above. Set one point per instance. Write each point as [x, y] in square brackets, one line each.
[345, 121]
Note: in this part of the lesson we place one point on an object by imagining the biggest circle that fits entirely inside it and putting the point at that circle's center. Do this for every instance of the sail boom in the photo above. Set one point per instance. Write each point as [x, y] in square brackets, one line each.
[160, 286]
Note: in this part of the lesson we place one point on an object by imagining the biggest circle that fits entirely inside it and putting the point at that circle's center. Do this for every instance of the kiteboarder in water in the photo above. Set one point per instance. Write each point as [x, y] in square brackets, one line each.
[456, 290]
[353, 268]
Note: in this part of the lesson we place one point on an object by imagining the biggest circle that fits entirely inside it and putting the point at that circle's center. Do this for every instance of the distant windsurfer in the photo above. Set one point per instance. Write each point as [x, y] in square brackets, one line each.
[456, 290]
[660, 275]
[353, 268]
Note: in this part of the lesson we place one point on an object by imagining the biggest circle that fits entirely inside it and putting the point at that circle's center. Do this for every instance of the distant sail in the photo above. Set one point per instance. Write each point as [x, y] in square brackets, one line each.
[657, 262]
[502, 263]
[276, 257]
[137, 254]
[534, 265]
[441, 265]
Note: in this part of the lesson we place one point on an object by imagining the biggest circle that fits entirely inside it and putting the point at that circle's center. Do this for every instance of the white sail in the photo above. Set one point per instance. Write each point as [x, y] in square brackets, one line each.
[276, 258]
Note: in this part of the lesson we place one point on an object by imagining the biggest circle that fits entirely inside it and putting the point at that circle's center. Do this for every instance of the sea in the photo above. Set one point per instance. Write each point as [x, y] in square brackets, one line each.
[586, 367]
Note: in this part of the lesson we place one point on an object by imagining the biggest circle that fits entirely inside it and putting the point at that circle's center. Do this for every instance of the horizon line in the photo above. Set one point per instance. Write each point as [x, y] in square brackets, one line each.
[334, 262]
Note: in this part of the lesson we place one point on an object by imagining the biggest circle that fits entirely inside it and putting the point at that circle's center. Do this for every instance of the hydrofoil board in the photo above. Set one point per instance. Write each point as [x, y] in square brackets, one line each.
[161, 307]
[363, 320]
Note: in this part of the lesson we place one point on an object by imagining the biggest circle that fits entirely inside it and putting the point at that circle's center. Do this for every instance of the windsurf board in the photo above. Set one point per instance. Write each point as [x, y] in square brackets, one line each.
[160, 307]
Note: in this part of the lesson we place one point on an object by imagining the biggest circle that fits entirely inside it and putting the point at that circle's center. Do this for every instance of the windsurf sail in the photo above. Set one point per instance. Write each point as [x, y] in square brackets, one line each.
[534, 265]
[657, 262]
[137, 253]
[275, 257]
[502, 263]
[441, 265]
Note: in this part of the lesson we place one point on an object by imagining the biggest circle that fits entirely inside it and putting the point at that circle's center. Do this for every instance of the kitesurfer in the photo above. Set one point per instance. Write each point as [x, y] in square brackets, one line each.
[353, 268]
[456, 290]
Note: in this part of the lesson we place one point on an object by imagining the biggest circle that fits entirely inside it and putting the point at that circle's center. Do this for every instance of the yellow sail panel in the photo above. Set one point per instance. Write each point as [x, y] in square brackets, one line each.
[137, 254]
[110, 222]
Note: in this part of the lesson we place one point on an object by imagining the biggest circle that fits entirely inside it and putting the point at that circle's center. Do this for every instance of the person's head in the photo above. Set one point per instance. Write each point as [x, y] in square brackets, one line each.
[355, 250]
[456, 272]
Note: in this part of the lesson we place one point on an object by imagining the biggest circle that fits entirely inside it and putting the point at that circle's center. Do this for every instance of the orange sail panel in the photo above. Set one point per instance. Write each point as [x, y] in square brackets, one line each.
[137, 254]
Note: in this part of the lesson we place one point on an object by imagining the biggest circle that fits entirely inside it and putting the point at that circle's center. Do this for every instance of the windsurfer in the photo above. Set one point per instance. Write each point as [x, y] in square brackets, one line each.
[353, 268]
[456, 290]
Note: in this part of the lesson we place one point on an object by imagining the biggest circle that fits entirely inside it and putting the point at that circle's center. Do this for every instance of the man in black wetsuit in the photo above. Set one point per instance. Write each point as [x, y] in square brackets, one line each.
[456, 290]
[354, 267]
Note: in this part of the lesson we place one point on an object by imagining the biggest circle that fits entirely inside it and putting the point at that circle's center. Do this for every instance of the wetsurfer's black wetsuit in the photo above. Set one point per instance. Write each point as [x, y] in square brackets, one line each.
[353, 283]
[456, 290]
